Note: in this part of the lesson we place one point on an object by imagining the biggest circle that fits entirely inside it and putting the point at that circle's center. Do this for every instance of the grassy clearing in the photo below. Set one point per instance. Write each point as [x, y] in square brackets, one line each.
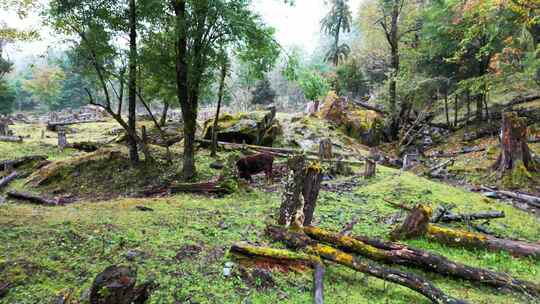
[183, 244]
[68, 246]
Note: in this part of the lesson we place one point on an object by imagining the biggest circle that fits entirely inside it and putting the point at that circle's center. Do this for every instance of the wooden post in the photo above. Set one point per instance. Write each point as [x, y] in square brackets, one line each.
[515, 160]
[292, 203]
[312, 185]
[62, 139]
[325, 149]
[370, 169]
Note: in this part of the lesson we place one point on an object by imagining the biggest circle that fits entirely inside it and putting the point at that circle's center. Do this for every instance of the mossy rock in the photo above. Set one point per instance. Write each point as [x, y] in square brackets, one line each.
[365, 125]
[257, 128]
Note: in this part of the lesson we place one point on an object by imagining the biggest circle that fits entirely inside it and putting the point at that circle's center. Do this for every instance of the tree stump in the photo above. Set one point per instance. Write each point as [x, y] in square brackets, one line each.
[312, 185]
[116, 285]
[292, 203]
[415, 225]
[370, 169]
[4, 129]
[62, 139]
[515, 161]
[325, 149]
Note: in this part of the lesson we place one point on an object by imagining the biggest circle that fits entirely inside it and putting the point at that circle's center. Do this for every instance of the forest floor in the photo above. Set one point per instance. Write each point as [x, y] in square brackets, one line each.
[183, 243]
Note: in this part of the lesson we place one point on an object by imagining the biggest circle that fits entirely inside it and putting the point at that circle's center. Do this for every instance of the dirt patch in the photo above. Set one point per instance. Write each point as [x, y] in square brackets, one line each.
[188, 252]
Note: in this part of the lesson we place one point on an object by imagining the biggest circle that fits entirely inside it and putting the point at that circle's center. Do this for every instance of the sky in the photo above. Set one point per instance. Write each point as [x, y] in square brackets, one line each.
[296, 25]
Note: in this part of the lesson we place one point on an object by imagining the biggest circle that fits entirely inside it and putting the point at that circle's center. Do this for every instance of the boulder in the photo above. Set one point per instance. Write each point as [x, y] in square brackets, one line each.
[365, 125]
[256, 128]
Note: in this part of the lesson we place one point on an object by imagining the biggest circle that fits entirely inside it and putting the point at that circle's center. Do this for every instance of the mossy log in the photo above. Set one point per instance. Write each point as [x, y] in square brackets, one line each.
[33, 198]
[18, 162]
[85, 146]
[13, 139]
[417, 224]
[515, 161]
[299, 240]
[53, 126]
[395, 253]
[8, 179]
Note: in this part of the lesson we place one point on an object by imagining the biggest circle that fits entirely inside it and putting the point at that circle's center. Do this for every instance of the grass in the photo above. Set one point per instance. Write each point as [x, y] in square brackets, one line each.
[51, 250]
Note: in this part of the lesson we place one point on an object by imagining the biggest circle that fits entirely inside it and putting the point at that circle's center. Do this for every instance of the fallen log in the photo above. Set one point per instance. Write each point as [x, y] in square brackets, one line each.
[15, 139]
[452, 217]
[8, 179]
[301, 241]
[18, 162]
[33, 198]
[271, 149]
[4, 288]
[461, 152]
[85, 146]
[369, 106]
[439, 167]
[529, 199]
[400, 254]
[205, 187]
[53, 126]
[417, 224]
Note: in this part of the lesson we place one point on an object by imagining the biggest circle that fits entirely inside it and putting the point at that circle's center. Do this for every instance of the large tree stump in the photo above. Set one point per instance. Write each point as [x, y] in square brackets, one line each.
[312, 185]
[62, 139]
[515, 161]
[370, 169]
[325, 149]
[292, 203]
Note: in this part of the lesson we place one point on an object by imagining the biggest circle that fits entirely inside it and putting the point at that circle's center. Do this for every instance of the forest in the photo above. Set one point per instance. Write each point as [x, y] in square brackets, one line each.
[269, 151]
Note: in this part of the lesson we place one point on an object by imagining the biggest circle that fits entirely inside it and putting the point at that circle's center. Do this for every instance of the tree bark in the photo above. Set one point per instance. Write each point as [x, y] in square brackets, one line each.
[370, 169]
[318, 284]
[312, 185]
[132, 85]
[301, 241]
[456, 110]
[400, 254]
[292, 202]
[515, 161]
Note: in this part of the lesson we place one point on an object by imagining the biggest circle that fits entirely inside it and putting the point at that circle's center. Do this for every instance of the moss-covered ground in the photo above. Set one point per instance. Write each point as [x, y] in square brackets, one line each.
[183, 243]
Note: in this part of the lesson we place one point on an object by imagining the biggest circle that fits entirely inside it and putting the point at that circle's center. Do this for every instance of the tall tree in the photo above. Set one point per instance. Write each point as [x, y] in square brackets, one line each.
[225, 67]
[391, 20]
[338, 19]
[98, 26]
[202, 28]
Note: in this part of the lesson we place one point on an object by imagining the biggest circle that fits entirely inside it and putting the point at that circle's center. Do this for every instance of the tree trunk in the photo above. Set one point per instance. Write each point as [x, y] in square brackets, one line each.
[132, 86]
[224, 70]
[479, 107]
[515, 161]
[400, 254]
[292, 203]
[312, 185]
[456, 110]
[163, 120]
[468, 107]
[189, 114]
[190, 126]
[446, 108]
[62, 140]
[325, 149]
[318, 283]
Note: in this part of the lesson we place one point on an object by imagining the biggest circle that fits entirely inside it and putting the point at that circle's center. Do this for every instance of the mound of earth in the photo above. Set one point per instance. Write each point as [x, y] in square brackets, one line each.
[103, 174]
[364, 125]
[255, 128]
